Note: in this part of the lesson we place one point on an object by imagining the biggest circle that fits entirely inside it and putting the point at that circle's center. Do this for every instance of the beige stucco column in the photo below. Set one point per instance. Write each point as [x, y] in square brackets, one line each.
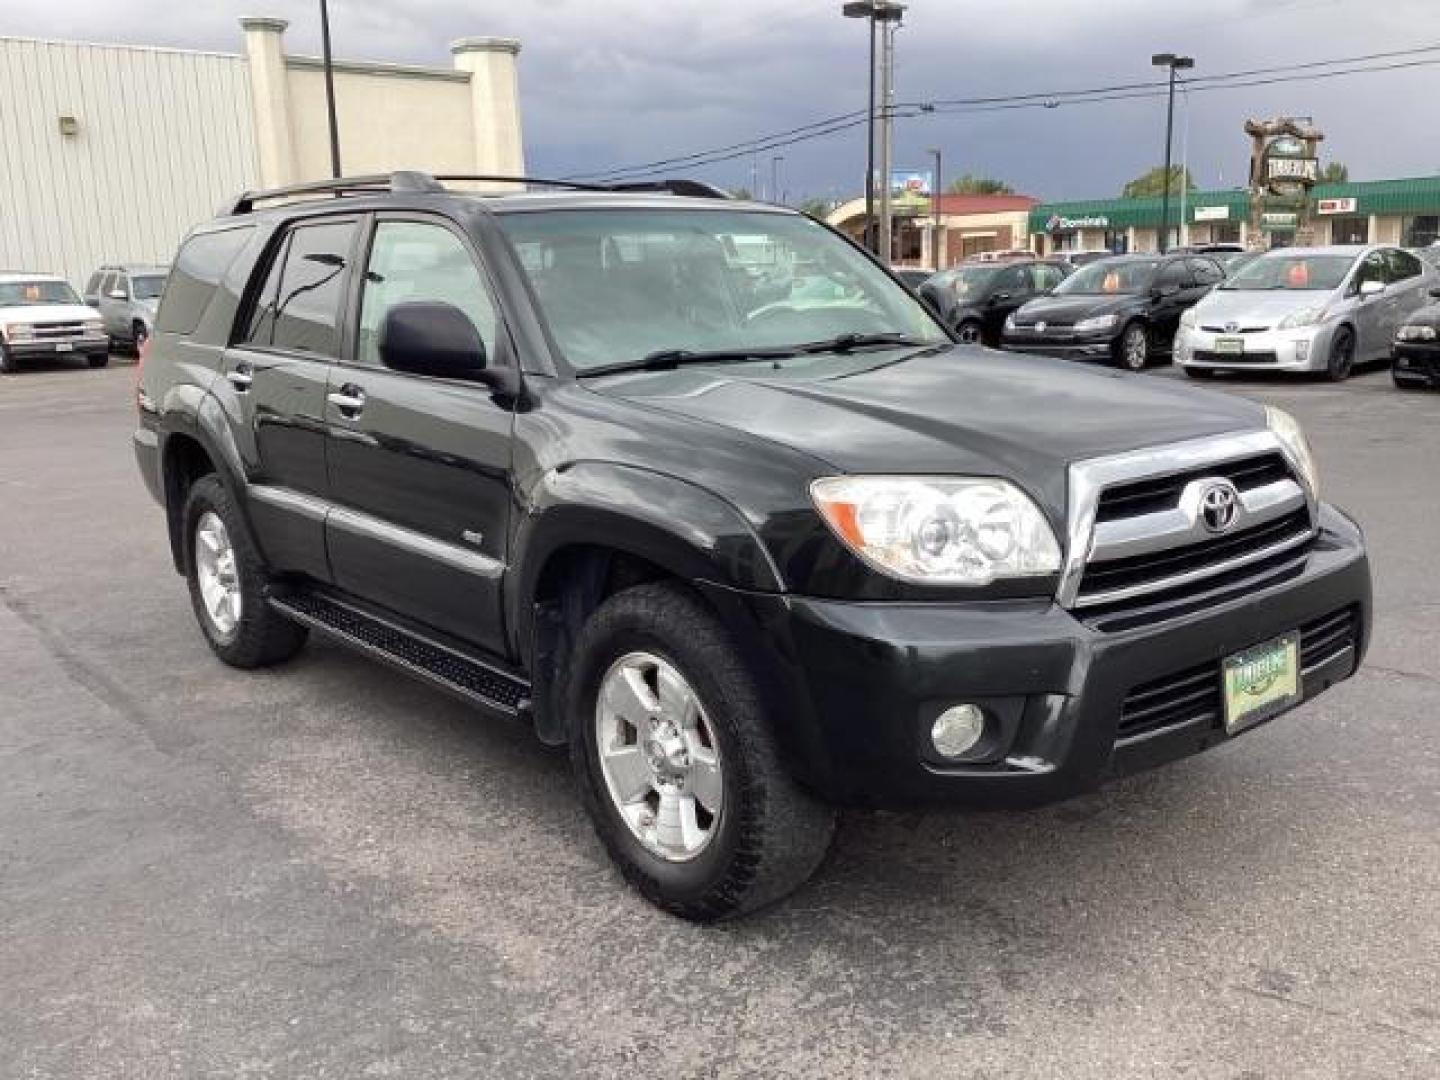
[270, 98]
[495, 102]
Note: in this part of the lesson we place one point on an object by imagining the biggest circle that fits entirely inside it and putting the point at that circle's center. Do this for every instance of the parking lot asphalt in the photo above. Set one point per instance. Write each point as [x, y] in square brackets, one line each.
[328, 870]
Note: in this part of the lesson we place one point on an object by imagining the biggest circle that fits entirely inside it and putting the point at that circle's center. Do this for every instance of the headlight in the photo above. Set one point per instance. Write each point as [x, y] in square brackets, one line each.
[1010, 321]
[1187, 318]
[19, 332]
[1411, 332]
[1307, 316]
[1099, 322]
[1292, 437]
[939, 530]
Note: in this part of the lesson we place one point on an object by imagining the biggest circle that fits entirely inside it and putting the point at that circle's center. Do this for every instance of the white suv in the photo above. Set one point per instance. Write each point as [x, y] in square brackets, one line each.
[41, 317]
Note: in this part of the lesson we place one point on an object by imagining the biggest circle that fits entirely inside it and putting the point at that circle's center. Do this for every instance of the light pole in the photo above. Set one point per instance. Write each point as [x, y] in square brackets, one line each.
[873, 11]
[330, 89]
[775, 178]
[937, 187]
[1174, 63]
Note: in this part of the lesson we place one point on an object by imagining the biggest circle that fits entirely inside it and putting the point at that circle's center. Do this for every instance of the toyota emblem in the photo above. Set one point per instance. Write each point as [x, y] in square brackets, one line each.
[1231, 327]
[1219, 506]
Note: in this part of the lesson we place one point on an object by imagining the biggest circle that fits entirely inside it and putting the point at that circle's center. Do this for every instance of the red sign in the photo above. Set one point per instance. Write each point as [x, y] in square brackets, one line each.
[1336, 206]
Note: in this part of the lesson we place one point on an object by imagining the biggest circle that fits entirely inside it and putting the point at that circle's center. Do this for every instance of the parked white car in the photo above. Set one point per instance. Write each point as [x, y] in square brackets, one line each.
[41, 317]
[1322, 309]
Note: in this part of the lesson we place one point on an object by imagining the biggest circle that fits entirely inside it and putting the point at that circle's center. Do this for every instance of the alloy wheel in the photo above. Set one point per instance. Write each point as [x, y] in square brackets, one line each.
[1135, 349]
[968, 333]
[659, 756]
[217, 574]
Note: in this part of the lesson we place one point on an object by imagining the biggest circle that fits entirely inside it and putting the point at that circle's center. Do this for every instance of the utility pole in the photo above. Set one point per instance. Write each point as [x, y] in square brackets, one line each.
[937, 186]
[775, 178]
[330, 89]
[883, 12]
[1173, 63]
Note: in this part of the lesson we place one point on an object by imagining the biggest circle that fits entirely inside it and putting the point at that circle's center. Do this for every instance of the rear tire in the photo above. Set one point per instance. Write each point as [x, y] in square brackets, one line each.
[1133, 349]
[749, 834]
[228, 583]
[8, 364]
[1341, 361]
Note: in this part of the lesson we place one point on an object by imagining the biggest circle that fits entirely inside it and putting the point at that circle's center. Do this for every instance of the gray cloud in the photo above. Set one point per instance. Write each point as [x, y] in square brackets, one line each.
[611, 82]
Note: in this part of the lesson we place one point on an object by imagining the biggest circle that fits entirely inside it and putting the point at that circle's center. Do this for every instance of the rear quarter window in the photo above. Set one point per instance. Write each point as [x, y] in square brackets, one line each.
[203, 260]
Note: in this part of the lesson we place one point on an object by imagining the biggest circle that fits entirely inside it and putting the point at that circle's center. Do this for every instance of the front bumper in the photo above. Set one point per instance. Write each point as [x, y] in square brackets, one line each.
[1304, 349]
[1063, 343]
[1416, 363]
[48, 350]
[857, 684]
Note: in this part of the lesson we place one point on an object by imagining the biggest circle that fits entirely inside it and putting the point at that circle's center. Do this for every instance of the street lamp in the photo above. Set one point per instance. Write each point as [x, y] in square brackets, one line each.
[1174, 63]
[875, 11]
[937, 188]
[330, 89]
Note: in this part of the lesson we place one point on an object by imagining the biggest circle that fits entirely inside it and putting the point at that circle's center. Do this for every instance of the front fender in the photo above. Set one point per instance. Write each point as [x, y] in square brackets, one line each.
[687, 530]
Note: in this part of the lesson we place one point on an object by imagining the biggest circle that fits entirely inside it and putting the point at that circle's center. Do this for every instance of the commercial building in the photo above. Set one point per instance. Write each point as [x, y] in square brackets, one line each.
[1405, 212]
[111, 152]
[969, 225]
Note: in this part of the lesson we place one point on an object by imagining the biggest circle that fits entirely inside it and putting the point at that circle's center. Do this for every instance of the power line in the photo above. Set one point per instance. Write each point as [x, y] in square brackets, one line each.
[960, 106]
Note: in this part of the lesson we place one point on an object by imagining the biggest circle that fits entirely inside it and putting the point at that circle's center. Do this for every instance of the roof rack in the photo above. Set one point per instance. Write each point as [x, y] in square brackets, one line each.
[410, 182]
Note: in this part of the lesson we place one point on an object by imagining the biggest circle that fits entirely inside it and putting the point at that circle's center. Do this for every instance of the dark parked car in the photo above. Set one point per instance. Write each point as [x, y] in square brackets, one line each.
[911, 276]
[1415, 354]
[751, 560]
[1125, 309]
[975, 299]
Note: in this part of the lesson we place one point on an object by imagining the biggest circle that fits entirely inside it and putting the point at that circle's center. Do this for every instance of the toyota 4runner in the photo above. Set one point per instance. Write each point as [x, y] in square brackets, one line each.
[566, 453]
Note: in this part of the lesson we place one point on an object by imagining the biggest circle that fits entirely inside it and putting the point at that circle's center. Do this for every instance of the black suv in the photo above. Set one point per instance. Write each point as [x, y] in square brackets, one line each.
[751, 558]
[976, 298]
[1124, 309]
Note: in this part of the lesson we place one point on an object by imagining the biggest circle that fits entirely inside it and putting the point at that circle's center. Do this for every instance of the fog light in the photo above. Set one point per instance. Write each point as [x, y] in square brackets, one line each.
[1302, 351]
[957, 730]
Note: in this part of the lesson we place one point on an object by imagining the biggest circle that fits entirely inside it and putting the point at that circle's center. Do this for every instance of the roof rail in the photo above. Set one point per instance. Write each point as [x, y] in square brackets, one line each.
[410, 182]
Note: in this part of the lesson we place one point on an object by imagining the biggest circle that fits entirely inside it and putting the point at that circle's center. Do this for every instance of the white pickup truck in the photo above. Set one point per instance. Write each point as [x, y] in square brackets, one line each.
[41, 317]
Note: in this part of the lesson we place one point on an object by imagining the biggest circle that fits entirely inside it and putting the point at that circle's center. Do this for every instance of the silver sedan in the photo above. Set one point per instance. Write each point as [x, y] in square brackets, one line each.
[1322, 309]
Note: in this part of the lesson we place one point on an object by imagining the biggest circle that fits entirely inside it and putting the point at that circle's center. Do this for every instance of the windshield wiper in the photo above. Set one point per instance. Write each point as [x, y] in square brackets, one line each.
[669, 359]
[846, 342]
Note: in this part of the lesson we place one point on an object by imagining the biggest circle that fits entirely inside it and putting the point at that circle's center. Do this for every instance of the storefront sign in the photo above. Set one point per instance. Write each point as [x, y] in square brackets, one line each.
[1212, 213]
[1280, 221]
[1337, 206]
[1289, 168]
[1069, 224]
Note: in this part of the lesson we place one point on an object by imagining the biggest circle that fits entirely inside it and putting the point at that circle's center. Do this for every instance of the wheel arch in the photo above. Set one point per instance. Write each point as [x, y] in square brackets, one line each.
[194, 443]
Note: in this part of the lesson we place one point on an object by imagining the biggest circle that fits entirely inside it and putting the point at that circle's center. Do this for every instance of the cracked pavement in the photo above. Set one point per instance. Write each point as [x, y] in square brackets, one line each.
[327, 870]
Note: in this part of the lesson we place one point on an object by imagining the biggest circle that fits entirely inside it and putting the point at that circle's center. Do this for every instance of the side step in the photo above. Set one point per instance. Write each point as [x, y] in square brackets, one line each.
[441, 665]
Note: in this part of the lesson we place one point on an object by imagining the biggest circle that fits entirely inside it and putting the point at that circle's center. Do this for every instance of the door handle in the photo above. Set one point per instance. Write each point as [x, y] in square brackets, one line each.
[241, 377]
[349, 399]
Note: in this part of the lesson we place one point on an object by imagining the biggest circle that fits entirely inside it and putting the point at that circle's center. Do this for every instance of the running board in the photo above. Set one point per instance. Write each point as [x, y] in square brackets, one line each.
[440, 665]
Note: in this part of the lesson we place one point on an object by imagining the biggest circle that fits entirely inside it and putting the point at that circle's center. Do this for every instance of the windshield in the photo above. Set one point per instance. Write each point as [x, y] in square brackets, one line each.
[1111, 276]
[619, 285]
[148, 286]
[1308, 273]
[31, 293]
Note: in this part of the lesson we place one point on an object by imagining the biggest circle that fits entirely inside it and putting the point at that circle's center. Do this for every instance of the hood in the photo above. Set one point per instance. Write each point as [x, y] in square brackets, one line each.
[1069, 309]
[1255, 308]
[948, 410]
[43, 313]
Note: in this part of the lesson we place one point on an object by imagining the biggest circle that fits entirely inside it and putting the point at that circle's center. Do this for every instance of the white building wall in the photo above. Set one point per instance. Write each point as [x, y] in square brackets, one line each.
[164, 137]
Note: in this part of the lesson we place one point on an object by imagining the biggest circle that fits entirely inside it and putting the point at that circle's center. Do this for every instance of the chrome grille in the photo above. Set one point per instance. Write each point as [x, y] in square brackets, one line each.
[1143, 546]
[59, 331]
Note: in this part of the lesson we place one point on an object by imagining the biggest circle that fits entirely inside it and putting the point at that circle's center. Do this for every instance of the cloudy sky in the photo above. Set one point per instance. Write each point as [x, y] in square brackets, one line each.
[615, 82]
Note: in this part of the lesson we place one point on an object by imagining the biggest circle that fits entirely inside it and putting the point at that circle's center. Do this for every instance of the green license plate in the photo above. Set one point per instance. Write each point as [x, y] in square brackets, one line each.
[1229, 346]
[1261, 681]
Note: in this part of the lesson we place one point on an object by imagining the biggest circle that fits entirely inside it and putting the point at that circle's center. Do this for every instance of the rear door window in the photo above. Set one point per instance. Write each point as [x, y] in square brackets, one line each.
[298, 309]
[1207, 272]
[199, 268]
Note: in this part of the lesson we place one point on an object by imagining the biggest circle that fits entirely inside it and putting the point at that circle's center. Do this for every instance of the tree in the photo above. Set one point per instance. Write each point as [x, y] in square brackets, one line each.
[970, 184]
[742, 193]
[819, 209]
[1152, 183]
[1337, 172]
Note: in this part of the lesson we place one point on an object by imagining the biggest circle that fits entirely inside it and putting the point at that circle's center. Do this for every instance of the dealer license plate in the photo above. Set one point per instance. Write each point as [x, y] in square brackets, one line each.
[64, 346]
[1261, 681]
[1229, 346]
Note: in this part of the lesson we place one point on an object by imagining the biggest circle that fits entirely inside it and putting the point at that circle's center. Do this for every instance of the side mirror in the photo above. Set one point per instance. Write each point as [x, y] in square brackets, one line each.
[438, 339]
[119, 294]
[1371, 288]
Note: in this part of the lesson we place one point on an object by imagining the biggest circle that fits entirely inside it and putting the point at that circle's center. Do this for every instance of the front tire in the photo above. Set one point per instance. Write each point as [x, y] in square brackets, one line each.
[1133, 350]
[1341, 361]
[676, 760]
[227, 580]
[8, 364]
[970, 332]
